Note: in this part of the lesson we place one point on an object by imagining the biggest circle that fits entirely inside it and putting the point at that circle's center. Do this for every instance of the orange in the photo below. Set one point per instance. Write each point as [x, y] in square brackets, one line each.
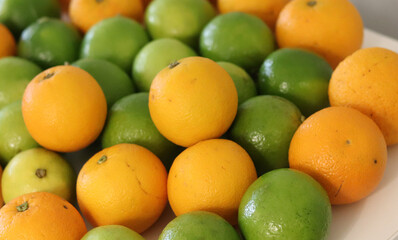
[64, 109]
[210, 176]
[7, 42]
[122, 185]
[343, 150]
[40, 216]
[1, 195]
[64, 5]
[191, 100]
[368, 81]
[267, 10]
[85, 13]
[331, 28]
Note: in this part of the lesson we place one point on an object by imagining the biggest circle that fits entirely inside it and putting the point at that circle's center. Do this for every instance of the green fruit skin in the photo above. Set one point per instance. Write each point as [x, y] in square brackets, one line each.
[285, 204]
[238, 38]
[243, 82]
[197, 226]
[264, 127]
[298, 75]
[112, 232]
[154, 57]
[129, 121]
[14, 136]
[180, 19]
[117, 39]
[19, 176]
[114, 82]
[19, 14]
[15, 75]
[50, 42]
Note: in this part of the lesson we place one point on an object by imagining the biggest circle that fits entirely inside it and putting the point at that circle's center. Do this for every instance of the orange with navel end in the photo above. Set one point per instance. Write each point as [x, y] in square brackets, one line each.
[64, 109]
[7, 42]
[85, 13]
[343, 150]
[331, 28]
[40, 216]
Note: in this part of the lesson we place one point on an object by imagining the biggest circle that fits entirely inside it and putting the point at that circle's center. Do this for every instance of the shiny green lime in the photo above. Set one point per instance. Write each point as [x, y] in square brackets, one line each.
[112, 232]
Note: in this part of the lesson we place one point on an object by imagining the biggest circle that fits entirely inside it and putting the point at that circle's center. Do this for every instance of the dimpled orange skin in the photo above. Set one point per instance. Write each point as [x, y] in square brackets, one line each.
[66, 111]
[343, 150]
[85, 13]
[128, 189]
[193, 101]
[267, 10]
[47, 217]
[7, 42]
[210, 176]
[331, 28]
[368, 82]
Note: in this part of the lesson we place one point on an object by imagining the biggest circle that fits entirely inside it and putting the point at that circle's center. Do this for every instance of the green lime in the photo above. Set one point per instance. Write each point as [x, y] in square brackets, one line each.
[238, 38]
[112, 232]
[49, 42]
[264, 127]
[243, 82]
[155, 56]
[180, 19]
[298, 75]
[197, 226]
[38, 170]
[113, 80]
[285, 204]
[15, 75]
[19, 14]
[117, 39]
[129, 121]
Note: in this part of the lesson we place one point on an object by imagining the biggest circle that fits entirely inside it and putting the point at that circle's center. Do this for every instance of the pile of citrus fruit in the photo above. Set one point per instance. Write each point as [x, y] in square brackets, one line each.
[249, 118]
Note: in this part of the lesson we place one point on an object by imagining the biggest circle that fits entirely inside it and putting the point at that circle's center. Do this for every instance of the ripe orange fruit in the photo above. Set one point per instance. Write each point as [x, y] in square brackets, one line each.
[85, 13]
[331, 28]
[193, 99]
[343, 150]
[210, 176]
[7, 42]
[122, 185]
[40, 216]
[267, 10]
[64, 108]
[368, 82]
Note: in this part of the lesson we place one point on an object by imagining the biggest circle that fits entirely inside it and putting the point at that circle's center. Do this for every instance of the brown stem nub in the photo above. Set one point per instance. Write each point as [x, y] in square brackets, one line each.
[48, 76]
[23, 207]
[174, 64]
[311, 3]
[102, 159]
[41, 173]
[99, 1]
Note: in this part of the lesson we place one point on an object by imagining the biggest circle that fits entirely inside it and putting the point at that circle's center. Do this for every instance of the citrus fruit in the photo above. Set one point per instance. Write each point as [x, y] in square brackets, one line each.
[267, 10]
[155, 56]
[7, 42]
[368, 82]
[39, 216]
[112, 232]
[15, 75]
[199, 225]
[192, 100]
[38, 170]
[243, 82]
[264, 126]
[19, 14]
[297, 75]
[86, 13]
[14, 136]
[129, 121]
[64, 5]
[285, 204]
[122, 185]
[115, 83]
[64, 109]
[237, 38]
[180, 19]
[331, 28]
[211, 175]
[1, 196]
[117, 39]
[49, 42]
[342, 149]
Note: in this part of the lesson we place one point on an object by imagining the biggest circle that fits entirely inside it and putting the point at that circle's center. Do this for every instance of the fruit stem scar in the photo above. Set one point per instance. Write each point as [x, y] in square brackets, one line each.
[99, 1]
[311, 3]
[102, 159]
[48, 75]
[23, 207]
[41, 173]
[174, 64]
